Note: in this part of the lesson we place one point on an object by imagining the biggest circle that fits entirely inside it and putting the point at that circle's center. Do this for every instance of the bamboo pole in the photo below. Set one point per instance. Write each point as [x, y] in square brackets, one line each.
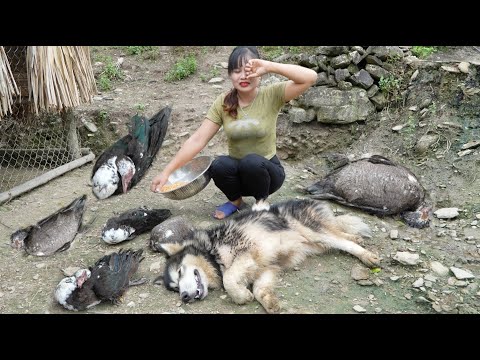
[44, 178]
[73, 144]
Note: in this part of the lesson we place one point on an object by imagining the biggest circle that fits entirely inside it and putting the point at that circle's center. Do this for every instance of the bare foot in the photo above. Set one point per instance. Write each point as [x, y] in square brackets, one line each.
[219, 215]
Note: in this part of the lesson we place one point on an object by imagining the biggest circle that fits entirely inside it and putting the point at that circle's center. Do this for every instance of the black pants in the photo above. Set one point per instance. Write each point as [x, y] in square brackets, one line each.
[252, 175]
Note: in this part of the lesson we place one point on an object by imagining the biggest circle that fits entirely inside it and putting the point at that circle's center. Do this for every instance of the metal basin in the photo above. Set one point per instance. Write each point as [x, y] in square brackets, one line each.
[194, 173]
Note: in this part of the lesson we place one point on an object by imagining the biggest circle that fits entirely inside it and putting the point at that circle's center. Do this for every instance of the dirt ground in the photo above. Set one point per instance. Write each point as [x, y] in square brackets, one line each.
[321, 285]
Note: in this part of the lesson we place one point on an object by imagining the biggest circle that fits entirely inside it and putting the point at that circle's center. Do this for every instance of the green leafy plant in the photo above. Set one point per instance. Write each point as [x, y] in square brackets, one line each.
[147, 52]
[423, 51]
[393, 58]
[102, 117]
[390, 86]
[214, 72]
[206, 49]
[296, 49]
[137, 50]
[104, 83]
[110, 72]
[140, 108]
[409, 131]
[182, 69]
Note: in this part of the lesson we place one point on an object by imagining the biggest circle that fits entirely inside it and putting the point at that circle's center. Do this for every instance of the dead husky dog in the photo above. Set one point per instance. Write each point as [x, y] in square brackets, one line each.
[251, 248]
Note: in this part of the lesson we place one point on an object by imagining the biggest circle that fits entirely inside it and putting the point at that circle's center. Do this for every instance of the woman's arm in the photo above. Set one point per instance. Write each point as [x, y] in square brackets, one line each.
[191, 147]
[301, 78]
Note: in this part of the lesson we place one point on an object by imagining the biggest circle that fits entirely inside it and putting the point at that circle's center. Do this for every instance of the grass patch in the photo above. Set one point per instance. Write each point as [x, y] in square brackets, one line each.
[272, 52]
[146, 52]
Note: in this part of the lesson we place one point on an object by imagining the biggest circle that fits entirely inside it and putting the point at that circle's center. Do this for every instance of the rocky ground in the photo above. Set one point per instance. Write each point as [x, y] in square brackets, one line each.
[433, 270]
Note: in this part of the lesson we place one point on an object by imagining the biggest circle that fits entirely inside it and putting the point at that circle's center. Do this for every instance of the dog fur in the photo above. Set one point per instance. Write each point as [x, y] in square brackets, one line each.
[248, 250]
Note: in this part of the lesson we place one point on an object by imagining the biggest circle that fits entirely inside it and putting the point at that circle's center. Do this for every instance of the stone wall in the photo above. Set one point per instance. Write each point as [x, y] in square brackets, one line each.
[347, 87]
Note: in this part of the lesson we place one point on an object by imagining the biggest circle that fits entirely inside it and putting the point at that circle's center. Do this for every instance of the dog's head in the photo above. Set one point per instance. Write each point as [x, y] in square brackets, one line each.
[190, 270]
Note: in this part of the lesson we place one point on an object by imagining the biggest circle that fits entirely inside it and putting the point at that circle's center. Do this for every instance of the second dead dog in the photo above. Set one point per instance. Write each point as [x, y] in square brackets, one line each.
[245, 253]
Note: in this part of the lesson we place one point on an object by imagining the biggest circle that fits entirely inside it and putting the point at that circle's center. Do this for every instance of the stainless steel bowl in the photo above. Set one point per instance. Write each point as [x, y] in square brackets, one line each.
[194, 173]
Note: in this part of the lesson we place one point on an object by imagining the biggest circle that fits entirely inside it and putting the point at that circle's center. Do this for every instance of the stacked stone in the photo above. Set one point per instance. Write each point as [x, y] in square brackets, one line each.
[347, 87]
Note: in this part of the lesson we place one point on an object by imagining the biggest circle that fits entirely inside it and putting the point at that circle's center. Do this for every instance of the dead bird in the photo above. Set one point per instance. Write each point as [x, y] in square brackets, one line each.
[129, 158]
[378, 186]
[107, 280]
[52, 234]
[132, 223]
[174, 230]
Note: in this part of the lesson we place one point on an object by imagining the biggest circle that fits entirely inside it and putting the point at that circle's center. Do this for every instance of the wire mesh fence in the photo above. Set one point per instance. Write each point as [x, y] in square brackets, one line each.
[31, 145]
[29, 150]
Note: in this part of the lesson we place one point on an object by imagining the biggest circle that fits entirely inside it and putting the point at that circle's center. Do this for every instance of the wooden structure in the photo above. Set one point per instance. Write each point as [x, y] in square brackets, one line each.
[37, 80]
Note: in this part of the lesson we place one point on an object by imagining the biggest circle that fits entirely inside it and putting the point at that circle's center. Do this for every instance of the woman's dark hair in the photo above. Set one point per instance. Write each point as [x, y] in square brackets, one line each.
[238, 58]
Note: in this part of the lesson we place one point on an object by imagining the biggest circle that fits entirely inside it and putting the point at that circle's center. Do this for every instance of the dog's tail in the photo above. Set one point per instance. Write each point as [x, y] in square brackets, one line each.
[353, 225]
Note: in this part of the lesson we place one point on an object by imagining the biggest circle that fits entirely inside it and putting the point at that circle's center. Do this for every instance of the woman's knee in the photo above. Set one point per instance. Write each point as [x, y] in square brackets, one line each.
[252, 164]
[223, 165]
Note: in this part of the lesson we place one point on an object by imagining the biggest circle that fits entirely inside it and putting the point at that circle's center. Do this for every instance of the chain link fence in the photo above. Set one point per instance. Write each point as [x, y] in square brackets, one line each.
[32, 145]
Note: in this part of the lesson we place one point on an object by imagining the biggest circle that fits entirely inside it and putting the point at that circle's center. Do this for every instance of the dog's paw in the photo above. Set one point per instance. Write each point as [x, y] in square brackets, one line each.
[272, 306]
[242, 297]
[250, 297]
[370, 259]
[269, 300]
[261, 205]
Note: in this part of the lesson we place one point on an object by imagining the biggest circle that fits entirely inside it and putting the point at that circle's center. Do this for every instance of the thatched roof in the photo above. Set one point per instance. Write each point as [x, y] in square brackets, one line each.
[8, 87]
[59, 77]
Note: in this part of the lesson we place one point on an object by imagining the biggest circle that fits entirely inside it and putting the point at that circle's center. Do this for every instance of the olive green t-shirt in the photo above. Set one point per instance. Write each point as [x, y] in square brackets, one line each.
[254, 129]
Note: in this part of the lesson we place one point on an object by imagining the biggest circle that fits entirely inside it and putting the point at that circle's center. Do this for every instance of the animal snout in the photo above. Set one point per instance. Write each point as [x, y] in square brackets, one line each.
[186, 297]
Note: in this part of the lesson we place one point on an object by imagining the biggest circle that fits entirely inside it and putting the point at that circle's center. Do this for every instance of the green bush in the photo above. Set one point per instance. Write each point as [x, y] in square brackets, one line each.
[110, 72]
[390, 86]
[104, 83]
[182, 69]
[423, 51]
